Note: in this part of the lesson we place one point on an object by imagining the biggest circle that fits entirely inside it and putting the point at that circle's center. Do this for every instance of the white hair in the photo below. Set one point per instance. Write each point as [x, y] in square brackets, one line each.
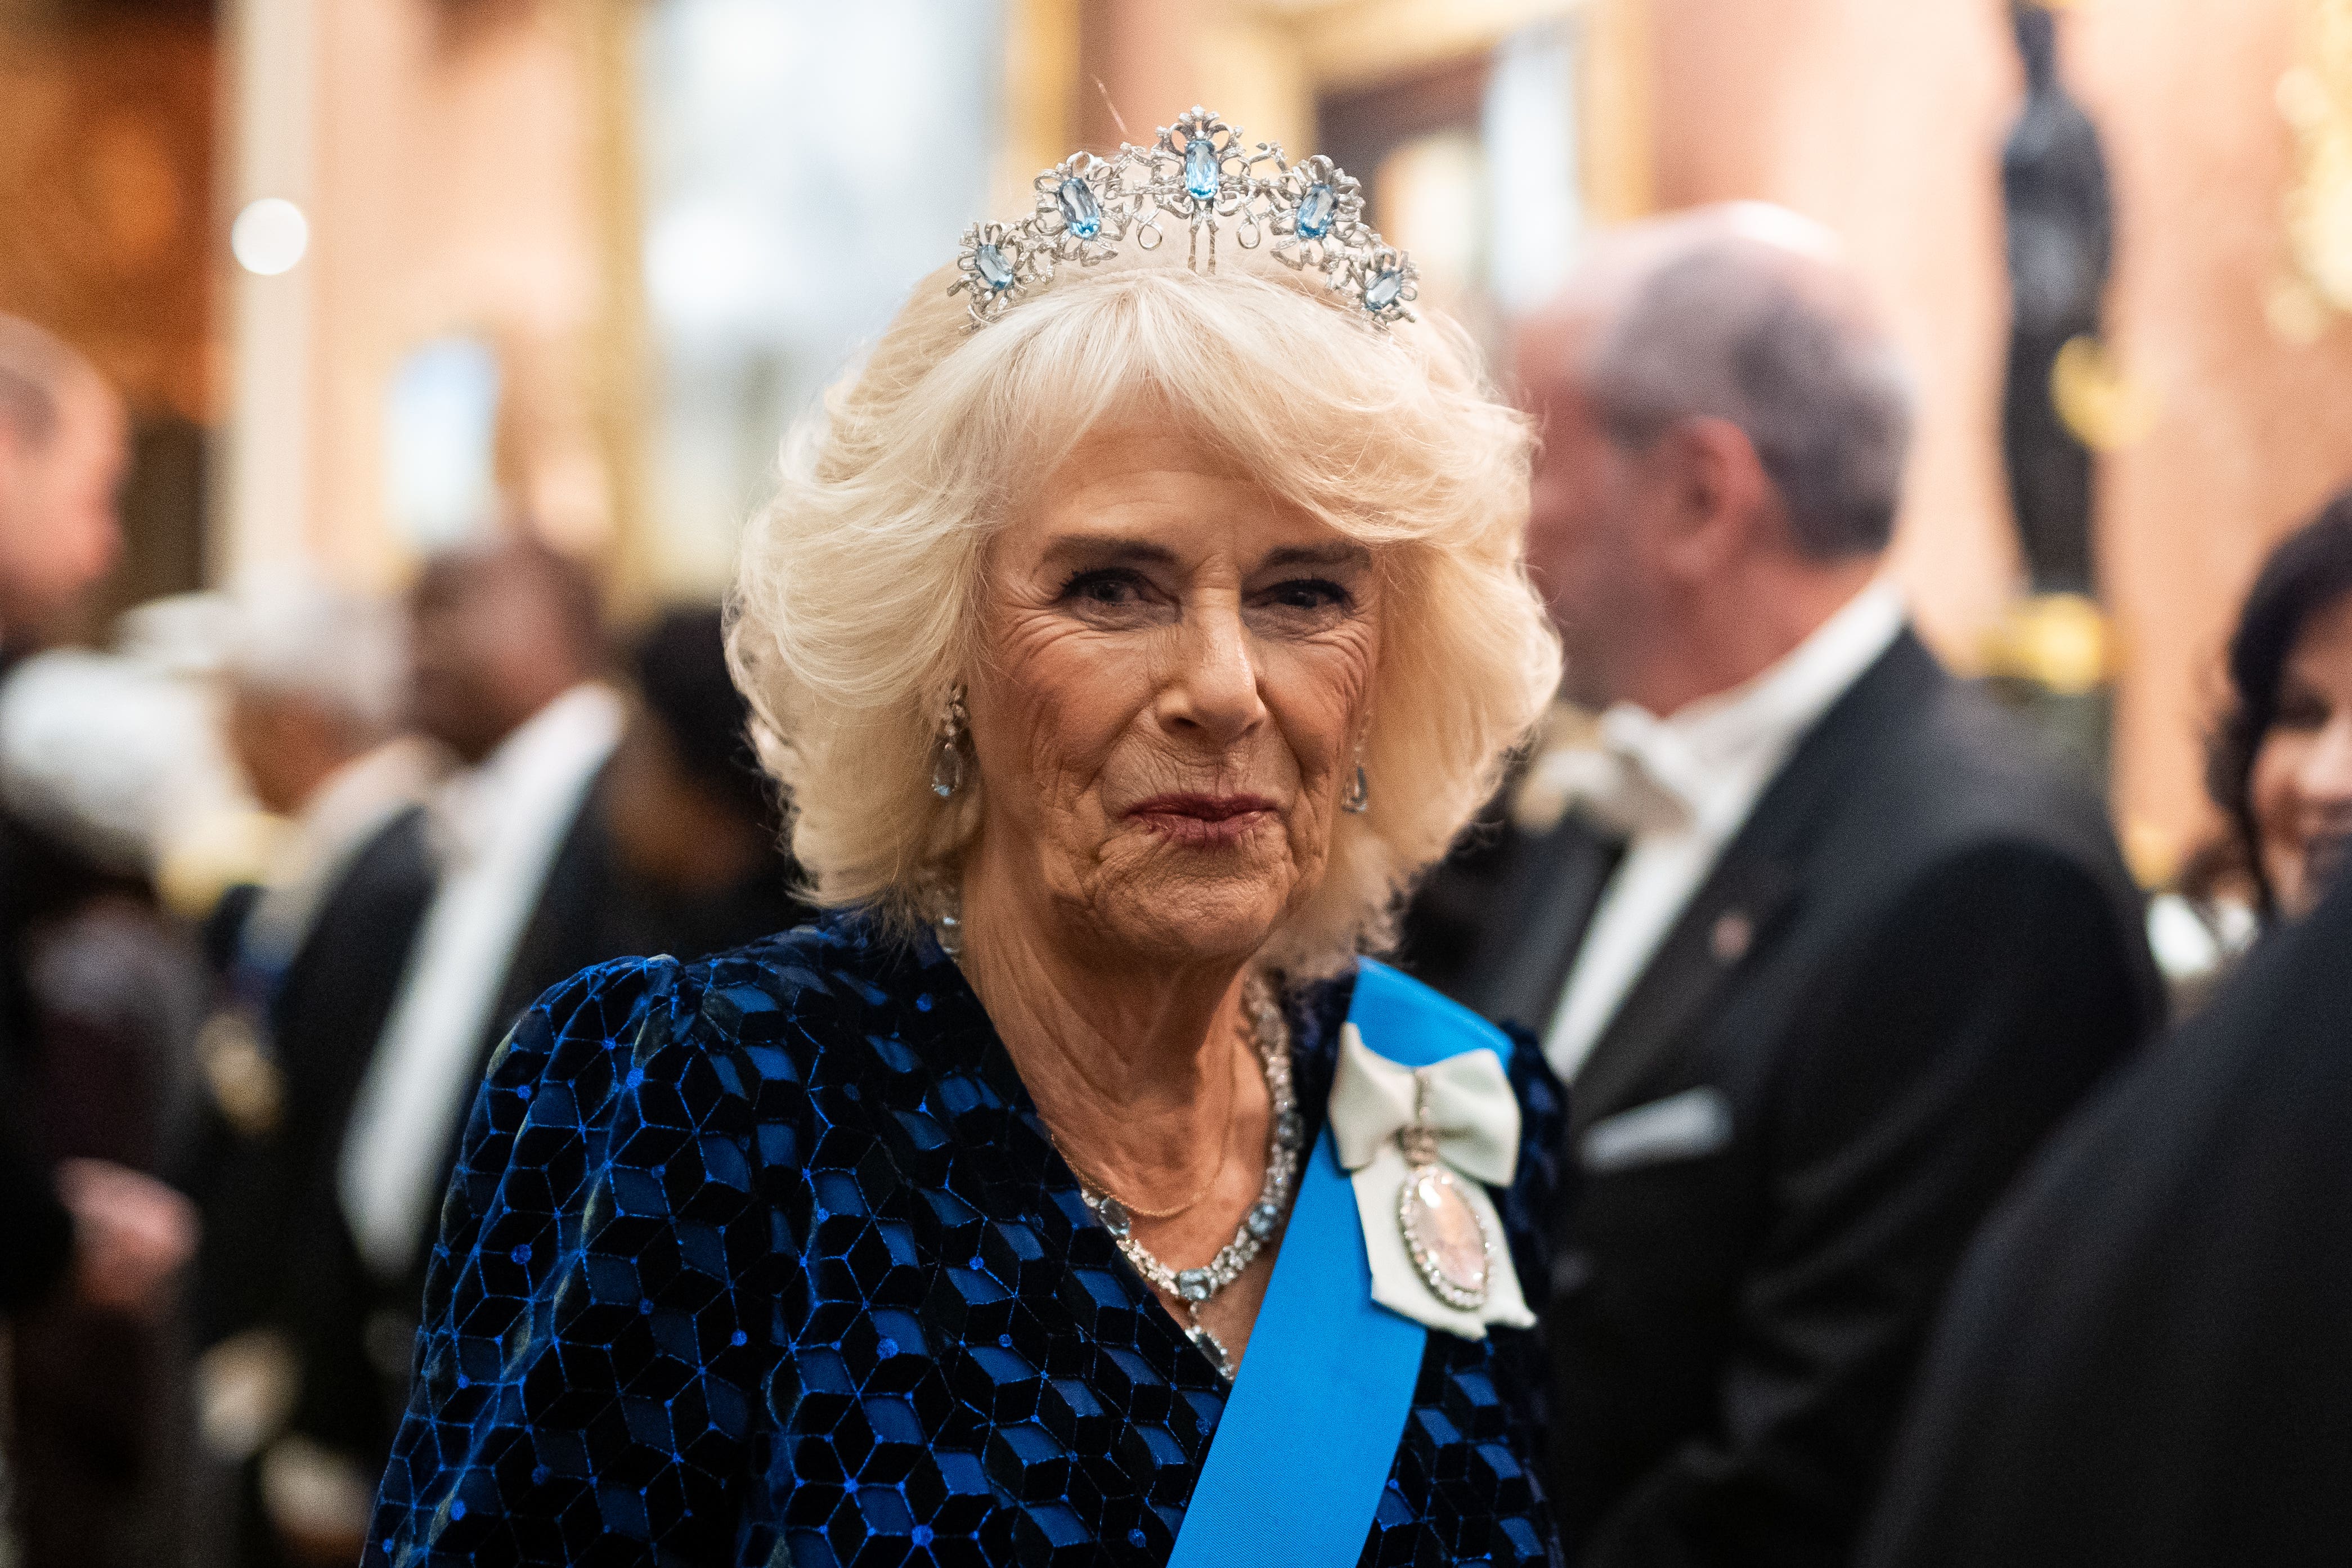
[1747, 313]
[291, 637]
[855, 605]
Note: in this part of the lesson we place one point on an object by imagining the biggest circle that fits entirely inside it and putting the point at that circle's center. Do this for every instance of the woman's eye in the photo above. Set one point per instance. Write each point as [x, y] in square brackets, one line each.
[1311, 594]
[1103, 587]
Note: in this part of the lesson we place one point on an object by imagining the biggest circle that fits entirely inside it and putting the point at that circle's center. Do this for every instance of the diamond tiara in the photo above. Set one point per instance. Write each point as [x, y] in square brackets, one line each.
[1202, 174]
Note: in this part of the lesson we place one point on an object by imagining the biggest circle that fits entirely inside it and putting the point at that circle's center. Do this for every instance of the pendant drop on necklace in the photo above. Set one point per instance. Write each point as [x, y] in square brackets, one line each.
[1446, 1238]
[1210, 1346]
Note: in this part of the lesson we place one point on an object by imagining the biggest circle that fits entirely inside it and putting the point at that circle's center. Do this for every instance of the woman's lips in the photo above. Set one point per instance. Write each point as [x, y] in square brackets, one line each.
[1205, 821]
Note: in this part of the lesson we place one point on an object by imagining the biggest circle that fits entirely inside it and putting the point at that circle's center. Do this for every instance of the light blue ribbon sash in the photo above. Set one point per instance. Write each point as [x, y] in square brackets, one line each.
[1311, 1427]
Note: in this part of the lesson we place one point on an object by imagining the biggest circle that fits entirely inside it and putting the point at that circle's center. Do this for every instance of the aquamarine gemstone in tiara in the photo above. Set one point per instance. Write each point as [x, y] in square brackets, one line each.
[1314, 212]
[994, 269]
[1201, 175]
[1201, 169]
[1079, 208]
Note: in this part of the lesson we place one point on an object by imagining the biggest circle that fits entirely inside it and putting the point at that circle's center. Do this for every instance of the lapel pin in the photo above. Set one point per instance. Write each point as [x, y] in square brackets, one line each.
[1733, 933]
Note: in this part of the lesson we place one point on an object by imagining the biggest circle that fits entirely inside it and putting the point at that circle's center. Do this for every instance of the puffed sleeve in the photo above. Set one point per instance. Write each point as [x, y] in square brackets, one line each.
[592, 1373]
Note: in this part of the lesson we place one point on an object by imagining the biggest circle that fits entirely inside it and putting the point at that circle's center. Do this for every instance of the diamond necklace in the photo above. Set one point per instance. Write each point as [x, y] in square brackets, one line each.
[1286, 1134]
[1286, 1138]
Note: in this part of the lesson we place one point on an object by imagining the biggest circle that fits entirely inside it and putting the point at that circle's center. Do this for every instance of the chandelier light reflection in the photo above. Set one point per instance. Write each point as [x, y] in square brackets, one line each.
[269, 237]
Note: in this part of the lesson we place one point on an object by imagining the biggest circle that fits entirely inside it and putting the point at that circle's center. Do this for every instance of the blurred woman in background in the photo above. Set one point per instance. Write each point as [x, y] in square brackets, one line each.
[2280, 766]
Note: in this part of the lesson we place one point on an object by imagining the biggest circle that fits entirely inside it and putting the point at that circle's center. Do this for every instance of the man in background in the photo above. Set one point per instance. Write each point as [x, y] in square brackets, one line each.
[314, 689]
[507, 649]
[63, 452]
[91, 1243]
[1822, 949]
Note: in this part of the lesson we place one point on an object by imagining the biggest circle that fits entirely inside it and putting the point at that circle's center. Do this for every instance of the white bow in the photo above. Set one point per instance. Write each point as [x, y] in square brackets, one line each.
[1627, 770]
[1476, 1118]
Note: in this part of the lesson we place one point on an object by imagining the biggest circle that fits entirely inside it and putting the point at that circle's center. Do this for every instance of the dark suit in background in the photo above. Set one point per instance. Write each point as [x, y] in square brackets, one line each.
[1918, 953]
[36, 1231]
[2148, 1359]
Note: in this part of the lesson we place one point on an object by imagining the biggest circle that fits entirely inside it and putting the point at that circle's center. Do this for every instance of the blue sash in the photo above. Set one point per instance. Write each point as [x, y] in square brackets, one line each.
[1311, 1427]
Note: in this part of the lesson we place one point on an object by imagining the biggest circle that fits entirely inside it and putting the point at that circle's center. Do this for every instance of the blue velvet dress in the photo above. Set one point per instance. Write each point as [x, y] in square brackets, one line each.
[767, 1260]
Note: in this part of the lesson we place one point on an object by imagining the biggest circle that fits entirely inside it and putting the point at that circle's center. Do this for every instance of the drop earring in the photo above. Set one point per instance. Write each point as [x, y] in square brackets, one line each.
[1359, 798]
[947, 764]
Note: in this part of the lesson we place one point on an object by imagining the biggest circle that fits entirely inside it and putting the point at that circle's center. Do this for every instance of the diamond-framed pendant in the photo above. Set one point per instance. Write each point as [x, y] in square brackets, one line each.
[1448, 1241]
[1446, 1238]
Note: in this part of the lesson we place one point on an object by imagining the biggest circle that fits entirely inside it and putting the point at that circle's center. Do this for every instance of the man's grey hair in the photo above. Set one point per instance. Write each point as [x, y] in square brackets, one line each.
[1772, 340]
[294, 637]
[35, 367]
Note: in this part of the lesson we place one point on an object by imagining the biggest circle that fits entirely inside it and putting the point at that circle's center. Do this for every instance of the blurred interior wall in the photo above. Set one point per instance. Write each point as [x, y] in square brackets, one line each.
[1885, 120]
[106, 149]
[454, 191]
[2251, 408]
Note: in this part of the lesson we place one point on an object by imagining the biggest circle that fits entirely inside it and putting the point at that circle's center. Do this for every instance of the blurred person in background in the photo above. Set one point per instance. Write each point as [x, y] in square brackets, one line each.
[2278, 764]
[89, 987]
[507, 653]
[314, 688]
[2281, 764]
[585, 823]
[693, 822]
[2143, 1364]
[1824, 951]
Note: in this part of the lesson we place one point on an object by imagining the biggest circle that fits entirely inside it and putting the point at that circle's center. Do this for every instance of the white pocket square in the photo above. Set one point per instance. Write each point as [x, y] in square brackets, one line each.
[1685, 1126]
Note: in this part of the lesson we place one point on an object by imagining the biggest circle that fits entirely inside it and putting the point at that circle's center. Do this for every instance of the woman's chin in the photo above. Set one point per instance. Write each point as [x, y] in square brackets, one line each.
[1195, 919]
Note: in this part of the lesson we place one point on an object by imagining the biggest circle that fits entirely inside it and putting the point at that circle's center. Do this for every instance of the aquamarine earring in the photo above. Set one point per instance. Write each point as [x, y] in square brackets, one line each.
[947, 765]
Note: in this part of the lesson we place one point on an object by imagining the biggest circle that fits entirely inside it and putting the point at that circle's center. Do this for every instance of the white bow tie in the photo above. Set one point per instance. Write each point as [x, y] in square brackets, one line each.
[1628, 771]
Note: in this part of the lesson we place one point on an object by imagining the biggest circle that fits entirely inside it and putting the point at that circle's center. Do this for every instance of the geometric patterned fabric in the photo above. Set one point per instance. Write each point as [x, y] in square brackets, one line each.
[767, 1260]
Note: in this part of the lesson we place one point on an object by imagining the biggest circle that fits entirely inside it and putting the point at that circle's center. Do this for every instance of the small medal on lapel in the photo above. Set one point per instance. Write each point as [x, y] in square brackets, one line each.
[1445, 1237]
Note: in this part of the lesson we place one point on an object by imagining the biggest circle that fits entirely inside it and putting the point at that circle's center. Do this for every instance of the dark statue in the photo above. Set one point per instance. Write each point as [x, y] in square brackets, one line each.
[2060, 243]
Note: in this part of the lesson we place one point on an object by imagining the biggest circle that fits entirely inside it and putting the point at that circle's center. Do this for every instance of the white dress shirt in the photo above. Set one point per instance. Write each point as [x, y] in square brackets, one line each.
[1694, 780]
[498, 828]
[343, 816]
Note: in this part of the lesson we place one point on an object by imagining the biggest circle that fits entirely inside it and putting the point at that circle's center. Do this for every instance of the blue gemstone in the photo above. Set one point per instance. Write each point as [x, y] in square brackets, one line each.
[1384, 290]
[1079, 208]
[994, 269]
[1314, 212]
[1201, 168]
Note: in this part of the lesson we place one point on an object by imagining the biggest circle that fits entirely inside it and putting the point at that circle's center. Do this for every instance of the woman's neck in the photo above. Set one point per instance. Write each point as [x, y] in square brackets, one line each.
[1136, 1064]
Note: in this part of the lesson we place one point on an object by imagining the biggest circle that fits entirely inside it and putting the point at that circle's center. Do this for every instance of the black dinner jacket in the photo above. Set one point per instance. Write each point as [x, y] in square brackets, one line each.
[2146, 1361]
[1917, 954]
[359, 1325]
[260, 1195]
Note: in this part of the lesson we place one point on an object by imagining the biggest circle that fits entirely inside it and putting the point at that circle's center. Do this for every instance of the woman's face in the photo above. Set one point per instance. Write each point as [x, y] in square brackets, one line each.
[1174, 678]
[2302, 783]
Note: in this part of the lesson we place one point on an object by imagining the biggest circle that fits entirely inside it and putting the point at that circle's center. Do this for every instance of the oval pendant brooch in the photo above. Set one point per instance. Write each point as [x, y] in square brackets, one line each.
[1446, 1238]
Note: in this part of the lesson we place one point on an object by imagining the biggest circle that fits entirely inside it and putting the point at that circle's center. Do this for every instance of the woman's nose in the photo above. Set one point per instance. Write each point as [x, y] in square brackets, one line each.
[1213, 688]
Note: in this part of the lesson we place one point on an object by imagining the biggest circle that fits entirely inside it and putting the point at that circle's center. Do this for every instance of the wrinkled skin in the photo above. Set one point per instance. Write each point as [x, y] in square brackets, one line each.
[1177, 673]
[1158, 627]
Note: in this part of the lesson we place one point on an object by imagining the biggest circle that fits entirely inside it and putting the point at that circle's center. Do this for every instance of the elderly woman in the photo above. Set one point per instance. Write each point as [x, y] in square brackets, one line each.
[1129, 632]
